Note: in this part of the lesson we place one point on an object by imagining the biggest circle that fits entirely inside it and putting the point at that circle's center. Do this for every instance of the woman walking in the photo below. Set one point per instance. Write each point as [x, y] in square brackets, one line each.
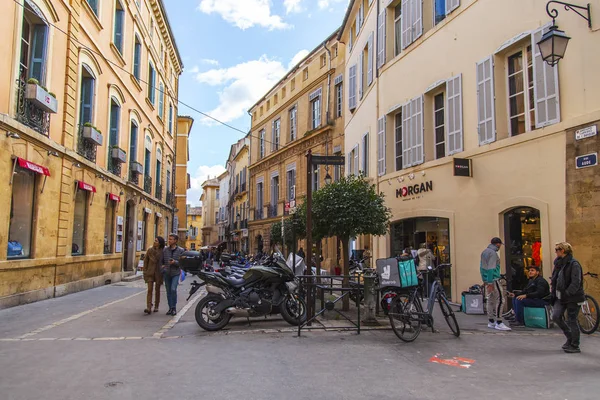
[153, 276]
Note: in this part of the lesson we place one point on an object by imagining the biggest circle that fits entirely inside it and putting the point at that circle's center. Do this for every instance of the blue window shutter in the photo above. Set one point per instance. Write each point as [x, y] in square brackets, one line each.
[94, 5]
[133, 142]
[161, 100]
[119, 14]
[38, 53]
[170, 118]
[137, 55]
[87, 98]
[115, 112]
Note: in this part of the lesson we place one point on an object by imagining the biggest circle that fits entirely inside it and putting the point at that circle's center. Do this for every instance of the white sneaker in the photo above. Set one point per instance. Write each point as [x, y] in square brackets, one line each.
[492, 325]
[501, 327]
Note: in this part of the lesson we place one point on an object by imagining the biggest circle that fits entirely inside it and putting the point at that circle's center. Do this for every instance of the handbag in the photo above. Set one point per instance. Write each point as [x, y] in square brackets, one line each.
[182, 276]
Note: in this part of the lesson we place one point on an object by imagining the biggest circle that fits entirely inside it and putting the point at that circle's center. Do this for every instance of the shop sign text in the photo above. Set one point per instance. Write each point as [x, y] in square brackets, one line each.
[414, 190]
[589, 160]
[586, 132]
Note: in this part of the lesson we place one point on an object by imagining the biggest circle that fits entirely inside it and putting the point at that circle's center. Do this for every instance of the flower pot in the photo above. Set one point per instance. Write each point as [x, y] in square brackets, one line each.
[136, 167]
[92, 134]
[41, 98]
[118, 154]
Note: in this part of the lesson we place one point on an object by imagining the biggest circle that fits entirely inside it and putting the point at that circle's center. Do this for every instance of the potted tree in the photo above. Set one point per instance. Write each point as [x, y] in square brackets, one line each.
[39, 95]
[92, 133]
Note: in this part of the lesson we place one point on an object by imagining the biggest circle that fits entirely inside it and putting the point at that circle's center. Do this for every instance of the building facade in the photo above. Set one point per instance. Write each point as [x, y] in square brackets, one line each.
[89, 96]
[193, 236]
[480, 142]
[182, 178]
[238, 204]
[223, 215]
[304, 111]
[210, 211]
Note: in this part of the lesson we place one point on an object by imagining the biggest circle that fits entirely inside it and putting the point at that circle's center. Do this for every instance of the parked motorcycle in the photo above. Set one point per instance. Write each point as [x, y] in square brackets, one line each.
[264, 289]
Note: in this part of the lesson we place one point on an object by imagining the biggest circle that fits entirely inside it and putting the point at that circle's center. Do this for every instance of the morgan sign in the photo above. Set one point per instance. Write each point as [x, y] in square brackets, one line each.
[409, 191]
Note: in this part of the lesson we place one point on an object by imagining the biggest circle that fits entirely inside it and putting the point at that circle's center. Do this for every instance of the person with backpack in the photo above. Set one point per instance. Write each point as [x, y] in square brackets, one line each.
[490, 274]
[567, 294]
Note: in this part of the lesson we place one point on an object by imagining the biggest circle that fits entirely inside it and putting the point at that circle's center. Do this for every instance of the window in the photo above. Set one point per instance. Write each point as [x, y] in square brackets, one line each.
[365, 154]
[79, 223]
[259, 200]
[275, 99]
[315, 107]
[293, 84]
[412, 132]
[353, 161]
[351, 37]
[151, 27]
[440, 11]
[115, 115]
[283, 93]
[93, 5]
[381, 35]
[170, 126]
[268, 105]
[323, 60]
[315, 179]
[520, 92]
[398, 139]
[193, 217]
[339, 100]
[274, 193]
[119, 22]
[293, 123]
[158, 173]
[34, 42]
[381, 122]
[161, 100]
[86, 112]
[334, 50]
[261, 145]
[217, 194]
[276, 134]
[193, 246]
[438, 126]
[305, 74]
[133, 138]
[291, 184]
[109, 223]
[168, 179]
[137, 58]
[261, 111]
[21, 214]
[147, 157]
[151, 83]
[369, 60]
[412, 21]
[486, 124]
[352, 87]
[397, 29]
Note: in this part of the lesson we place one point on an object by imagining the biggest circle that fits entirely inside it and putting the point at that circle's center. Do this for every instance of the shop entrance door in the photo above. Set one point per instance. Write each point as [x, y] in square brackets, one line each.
[523, 244]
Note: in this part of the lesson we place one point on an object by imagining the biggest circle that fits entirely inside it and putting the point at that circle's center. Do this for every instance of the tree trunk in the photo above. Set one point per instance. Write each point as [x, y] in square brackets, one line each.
[346, 271]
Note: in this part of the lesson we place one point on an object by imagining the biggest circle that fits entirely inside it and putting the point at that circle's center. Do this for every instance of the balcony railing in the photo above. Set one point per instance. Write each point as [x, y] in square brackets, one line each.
[244, 224]
[29, 113]
[169, 198]
[243, 187]
[86, 147]
[148, 184]
[271, 210]
[114, 166]
[134, 177]
[258, 213]
[158, 193]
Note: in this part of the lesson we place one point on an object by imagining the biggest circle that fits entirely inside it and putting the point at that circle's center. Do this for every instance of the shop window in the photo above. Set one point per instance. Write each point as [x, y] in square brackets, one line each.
[109, 226]
[523, 240]
[21, 214]
[79, 223]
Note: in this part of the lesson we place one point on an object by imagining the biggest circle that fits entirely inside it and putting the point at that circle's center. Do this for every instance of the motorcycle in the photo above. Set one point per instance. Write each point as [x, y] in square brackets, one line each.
[263, 290]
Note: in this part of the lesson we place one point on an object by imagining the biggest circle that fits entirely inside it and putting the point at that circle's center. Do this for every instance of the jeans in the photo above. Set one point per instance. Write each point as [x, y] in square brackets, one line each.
[519, 305]
[571, 327]
[171, 283]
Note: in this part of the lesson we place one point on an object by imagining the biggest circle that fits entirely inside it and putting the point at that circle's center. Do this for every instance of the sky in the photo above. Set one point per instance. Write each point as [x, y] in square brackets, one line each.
[233, 52]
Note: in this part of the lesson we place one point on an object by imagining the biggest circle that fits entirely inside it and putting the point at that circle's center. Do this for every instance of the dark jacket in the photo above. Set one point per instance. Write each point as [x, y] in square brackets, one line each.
[569, 280]
[537, 288]
[168, 254]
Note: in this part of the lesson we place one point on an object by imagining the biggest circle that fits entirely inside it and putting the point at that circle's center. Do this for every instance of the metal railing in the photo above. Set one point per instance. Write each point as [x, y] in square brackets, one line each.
[114, 166]
[148, 184]
[86, 147]
[169, 198]
[134, 177]
[243, 189]
[244, 224]
[30, 114]
[271, 210]
[258, 213]
[158, 193]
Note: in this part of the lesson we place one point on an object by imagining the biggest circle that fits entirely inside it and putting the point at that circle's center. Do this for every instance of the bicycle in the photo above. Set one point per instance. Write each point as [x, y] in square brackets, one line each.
[589, 317]
[406, 311]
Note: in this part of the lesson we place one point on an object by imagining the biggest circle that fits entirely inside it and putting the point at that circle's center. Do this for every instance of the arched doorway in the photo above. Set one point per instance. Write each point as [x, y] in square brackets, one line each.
[523, 244]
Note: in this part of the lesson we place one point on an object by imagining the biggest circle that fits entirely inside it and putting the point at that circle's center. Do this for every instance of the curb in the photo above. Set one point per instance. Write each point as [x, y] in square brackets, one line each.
[132, 278]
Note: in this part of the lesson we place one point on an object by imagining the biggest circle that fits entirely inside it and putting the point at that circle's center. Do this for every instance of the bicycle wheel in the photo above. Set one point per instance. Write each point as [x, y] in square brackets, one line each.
[589, 316]
[449, 315]
[405, 324]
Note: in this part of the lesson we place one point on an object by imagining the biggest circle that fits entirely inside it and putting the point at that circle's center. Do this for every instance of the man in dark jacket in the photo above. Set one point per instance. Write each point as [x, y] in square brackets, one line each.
[567, 294]
[171, 255]
[532, 296]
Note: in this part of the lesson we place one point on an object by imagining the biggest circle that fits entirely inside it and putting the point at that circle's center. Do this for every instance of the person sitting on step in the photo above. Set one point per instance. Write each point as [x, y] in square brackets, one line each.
[532, 296]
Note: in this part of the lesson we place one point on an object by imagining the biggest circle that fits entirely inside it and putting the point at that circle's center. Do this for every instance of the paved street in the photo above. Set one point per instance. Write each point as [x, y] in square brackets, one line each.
[98, 344]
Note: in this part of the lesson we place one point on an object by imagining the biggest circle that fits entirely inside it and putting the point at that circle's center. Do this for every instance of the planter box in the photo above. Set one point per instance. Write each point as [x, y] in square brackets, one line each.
[118, 155]
[136, 167]
[41, 98]
[92, 134]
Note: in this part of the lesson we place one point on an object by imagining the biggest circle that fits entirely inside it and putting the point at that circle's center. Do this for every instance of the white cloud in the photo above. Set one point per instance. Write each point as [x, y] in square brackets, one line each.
[297, 58]
[292, 6]
[194, 70]
[210, 62]
[243, 85]
[197, 178]
[244, 14]
[323, 4]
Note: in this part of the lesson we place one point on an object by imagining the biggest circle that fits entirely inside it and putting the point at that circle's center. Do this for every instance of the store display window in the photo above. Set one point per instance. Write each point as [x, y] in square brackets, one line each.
[21, 214]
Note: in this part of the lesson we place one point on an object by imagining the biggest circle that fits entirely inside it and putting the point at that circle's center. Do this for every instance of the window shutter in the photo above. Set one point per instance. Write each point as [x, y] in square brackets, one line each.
[370, 60]
[352, 87]
[417, 130]
[38, 53]
[406, 136]
[360, 75]
[349, 160]
[357, 23]
[272, 135]
[452, 5]
[406, 22]
[381, 146]
[417, 19]
[119, 14]
[381, 39]
[454, 112]
[545, 86]
[356, 159]
[486, 124]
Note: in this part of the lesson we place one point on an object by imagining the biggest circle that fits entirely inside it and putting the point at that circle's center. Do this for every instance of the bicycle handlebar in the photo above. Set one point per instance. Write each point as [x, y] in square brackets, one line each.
[593, 275]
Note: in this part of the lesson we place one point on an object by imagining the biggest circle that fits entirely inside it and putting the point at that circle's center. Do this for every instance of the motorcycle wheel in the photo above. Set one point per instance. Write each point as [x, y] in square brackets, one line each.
[204, 310]
[293, 310]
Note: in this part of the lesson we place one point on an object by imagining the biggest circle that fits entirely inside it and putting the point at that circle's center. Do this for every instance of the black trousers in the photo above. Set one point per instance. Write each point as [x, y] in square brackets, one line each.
[570, 327]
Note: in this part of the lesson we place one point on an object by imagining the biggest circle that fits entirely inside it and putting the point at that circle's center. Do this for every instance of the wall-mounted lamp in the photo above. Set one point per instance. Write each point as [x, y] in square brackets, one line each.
[13, 135]
[553, 43]
[53, 153]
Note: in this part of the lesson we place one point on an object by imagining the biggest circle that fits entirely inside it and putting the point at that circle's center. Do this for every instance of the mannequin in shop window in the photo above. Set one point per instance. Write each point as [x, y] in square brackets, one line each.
[426, 257]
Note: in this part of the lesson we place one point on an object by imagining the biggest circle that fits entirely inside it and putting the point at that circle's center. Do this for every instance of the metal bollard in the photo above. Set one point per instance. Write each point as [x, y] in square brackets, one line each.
[370, 296]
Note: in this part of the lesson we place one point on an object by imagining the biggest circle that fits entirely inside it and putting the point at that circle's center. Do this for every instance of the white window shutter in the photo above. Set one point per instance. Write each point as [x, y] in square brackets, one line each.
[360, 75]
[545, 86]
[272, 135]
[356, 160]
[417, 131]
[381, 146]
[352, 87]
[357, 23]
[406, 24]
[381, 39]
[406, 136]
[370, 60]
[417, 20]
[486, 118]
[452, 5]
[454, 112]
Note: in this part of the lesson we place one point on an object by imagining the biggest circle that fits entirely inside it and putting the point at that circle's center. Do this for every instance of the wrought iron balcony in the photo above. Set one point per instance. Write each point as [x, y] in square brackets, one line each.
[169, 198]
[258, 213]
[134, 177]
[244, 224]
[29, 112]
[243, 187]
[147, 184]
[114, 166]
[86, 145]
[271, 210]
[158, 193]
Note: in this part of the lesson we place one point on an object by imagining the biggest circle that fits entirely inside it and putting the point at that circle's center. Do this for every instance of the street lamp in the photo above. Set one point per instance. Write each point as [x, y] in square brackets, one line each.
[327, 178]
[553, 43]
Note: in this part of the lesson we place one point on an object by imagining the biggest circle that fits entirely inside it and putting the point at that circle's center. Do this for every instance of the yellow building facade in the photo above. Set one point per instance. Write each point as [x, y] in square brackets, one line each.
[210, 212]
[182, 177]
[87, 148]
[193, 239]
[471, 134]
[238, 204]
[304, 111]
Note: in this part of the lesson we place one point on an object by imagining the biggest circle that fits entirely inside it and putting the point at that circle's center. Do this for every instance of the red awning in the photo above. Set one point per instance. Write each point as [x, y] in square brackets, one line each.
[33, 167]
[86, 186]
[114, 197]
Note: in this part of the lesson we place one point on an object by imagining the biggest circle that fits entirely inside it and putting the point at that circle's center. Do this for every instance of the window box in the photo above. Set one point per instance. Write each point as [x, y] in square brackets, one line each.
[118, 154]
[41, 98]
[136, 167]
[91, 133]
